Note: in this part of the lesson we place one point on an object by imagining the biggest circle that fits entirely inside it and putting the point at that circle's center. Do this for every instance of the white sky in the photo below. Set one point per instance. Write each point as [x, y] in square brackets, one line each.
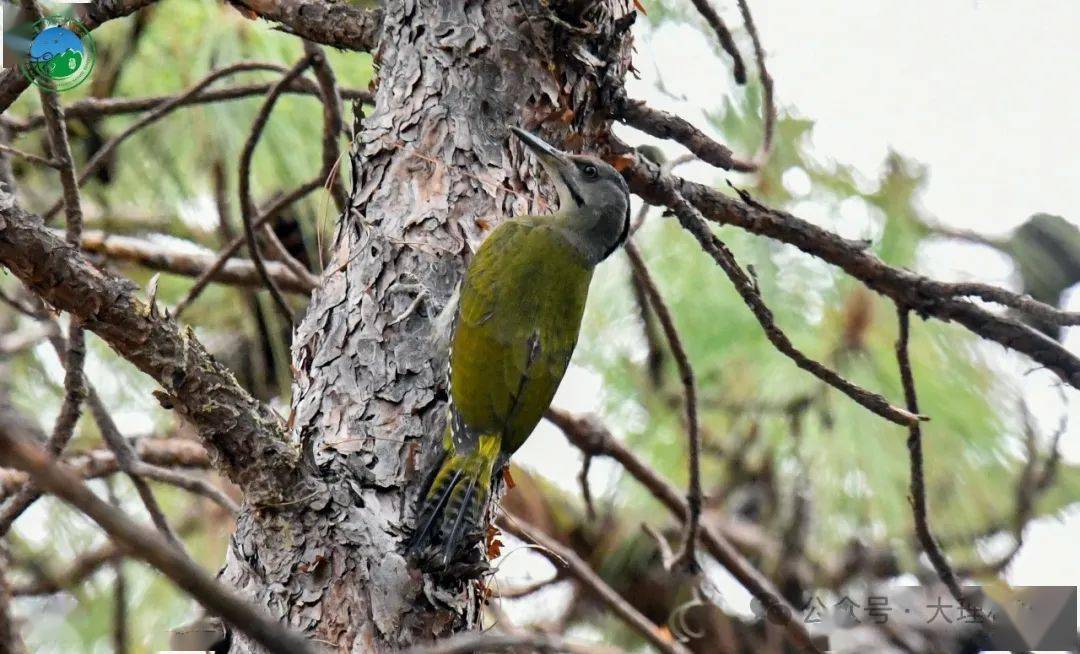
[985, 93]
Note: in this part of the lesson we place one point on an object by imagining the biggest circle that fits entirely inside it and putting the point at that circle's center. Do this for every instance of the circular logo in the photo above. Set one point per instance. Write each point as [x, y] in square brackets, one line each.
[61, 56]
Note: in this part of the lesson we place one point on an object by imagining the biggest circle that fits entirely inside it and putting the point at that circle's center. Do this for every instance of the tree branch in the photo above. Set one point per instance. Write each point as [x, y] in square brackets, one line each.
[686, 555]
[247, 205]
[245, 436]
[74, 351]
[145, 544]
[925, 296]
[336, 24]
[918, 485]
[10, 640]
[101, 107]
[563, 557]
[723, 34]
[155, 256]
[769, 108]
[589, 435]
[692, 220]
[1022, 303]
[234, 246]
[664, 125]
[159, 112]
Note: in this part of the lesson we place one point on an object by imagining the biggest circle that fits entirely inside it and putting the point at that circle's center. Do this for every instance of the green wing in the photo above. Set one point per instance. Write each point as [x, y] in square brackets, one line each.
[518, 321]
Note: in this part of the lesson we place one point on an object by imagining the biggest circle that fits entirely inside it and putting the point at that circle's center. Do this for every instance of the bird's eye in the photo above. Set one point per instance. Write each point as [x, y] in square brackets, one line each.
[589, 171]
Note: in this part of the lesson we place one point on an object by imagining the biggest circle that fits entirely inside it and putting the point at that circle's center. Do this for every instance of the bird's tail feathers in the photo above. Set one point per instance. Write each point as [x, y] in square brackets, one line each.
[449, 514]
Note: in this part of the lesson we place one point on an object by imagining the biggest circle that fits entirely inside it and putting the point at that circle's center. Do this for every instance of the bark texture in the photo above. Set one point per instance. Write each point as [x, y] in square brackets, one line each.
[435, 171]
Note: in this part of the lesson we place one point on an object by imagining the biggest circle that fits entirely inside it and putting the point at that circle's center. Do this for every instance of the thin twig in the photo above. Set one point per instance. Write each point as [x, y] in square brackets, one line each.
[1022, 303]
[127, 458]
[586, 491]
[918, 484]
[769, 109]
[686, 555]
[120, 618]
[286, 258]
[589, 435]
[922, 294]
[654, 360]
[10, 640]
[74, 383]
[723, 34]
[162, 110]
[692, 220]
[247, 205]
[180, 259]
[32, 158]
[664, 125]
[562, 556]
[145, 544]
[267, 214]
[332, 121]
[101, 107]
[528, 589]
[123, 451]
[187, 482]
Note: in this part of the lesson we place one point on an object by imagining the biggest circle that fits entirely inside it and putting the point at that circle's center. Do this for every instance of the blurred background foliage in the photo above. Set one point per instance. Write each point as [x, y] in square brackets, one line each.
[782, 452]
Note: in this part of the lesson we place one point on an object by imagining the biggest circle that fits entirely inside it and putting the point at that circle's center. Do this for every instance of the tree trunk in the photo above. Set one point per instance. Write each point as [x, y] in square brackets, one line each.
[435, 171]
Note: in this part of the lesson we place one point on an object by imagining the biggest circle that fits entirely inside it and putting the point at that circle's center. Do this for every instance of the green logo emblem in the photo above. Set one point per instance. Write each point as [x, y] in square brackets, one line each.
[61, 55]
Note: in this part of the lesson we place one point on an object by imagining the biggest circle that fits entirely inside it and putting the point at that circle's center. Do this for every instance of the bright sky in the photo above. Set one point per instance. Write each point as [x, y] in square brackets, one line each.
[985, 93]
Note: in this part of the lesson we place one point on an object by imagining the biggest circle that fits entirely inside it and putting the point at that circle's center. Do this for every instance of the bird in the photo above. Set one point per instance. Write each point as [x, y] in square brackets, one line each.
[515, 326]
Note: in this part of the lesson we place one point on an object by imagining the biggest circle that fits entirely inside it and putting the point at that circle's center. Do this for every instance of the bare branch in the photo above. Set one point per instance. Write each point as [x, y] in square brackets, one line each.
[120, 627]
[92, 464]
[84, 565]
[78, 571]
[769, 108]
[75, 354]
[234, 246]
[177, 261]
[918, 485]
[159, 112]
[29, 156]
[333, 124]
[247, 205]
[127, 459]
[723, 34]
[10, 640]
[692, 220]
[563, 557]
[686, 554]
[145, 544]
[336, 24]
[246, 436]
[589, 435]
[923, 295]
[1023, 303]
[664, 125]
[100, 107]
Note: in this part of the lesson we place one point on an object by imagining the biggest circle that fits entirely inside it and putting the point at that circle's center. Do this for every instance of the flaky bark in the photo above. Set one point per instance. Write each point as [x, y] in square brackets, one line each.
[435, 170]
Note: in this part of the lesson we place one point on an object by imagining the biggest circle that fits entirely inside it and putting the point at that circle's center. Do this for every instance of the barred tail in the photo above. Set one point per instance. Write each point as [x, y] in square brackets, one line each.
[449, 515]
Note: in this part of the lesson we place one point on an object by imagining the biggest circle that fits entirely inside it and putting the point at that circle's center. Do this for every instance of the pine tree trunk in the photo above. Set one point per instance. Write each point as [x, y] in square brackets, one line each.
[435, 171]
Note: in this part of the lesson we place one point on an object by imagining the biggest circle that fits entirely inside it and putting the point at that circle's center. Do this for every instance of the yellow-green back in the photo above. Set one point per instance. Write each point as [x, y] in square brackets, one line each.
[519, 316]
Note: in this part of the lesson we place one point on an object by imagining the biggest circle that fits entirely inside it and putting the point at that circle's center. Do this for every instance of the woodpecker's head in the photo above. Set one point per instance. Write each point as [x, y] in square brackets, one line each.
[594, 201]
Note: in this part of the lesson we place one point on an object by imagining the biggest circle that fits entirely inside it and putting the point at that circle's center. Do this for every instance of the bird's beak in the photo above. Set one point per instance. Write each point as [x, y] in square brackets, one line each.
[555, 161]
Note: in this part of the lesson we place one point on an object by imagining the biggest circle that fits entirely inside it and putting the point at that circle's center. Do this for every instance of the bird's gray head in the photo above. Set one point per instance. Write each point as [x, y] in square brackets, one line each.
[594, 201]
